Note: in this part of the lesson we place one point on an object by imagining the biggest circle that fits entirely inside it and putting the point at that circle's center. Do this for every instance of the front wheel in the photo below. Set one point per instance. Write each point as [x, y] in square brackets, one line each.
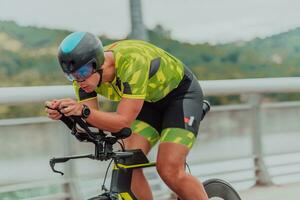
[220, 190]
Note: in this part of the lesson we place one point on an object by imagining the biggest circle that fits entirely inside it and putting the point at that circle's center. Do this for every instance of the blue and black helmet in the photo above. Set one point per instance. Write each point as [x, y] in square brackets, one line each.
[78, 49]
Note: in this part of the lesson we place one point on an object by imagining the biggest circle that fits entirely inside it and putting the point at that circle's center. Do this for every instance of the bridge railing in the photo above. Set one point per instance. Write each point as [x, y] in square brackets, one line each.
[254, 89]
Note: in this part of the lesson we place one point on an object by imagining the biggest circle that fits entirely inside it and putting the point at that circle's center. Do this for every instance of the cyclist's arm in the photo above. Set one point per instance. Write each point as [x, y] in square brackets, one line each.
[91, 103]
[127, 111]
[133, 72]
[89, 99]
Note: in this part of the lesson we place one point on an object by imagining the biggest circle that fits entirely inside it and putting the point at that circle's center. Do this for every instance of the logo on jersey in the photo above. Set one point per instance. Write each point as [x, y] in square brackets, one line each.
[189, 120]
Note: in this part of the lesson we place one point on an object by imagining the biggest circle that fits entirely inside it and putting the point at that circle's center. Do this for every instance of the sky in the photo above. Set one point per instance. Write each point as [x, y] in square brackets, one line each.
[195, 21]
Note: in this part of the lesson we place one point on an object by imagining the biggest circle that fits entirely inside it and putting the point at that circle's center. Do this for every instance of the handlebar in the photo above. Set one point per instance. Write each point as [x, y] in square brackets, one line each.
[103, 142]
[89, 135]
[72, 121]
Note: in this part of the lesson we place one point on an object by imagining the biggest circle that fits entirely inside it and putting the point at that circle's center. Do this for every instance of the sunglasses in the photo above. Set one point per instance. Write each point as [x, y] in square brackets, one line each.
[82, 73]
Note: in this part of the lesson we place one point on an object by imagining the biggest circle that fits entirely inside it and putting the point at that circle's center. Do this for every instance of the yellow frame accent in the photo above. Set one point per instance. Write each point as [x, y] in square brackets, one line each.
[134, 166]
[125, 195]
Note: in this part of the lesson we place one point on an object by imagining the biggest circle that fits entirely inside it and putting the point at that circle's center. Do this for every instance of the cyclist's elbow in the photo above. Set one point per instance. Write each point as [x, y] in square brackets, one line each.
[124, 123]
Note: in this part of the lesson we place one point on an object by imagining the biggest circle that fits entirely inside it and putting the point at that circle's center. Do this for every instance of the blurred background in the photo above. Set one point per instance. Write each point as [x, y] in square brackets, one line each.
[244, 53]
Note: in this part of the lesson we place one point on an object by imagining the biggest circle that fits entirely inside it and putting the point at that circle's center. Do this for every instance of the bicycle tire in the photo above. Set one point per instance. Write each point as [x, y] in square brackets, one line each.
[220, 189]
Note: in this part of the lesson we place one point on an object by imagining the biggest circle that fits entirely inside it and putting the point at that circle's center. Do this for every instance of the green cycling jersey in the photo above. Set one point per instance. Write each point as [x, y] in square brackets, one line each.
[143, 71]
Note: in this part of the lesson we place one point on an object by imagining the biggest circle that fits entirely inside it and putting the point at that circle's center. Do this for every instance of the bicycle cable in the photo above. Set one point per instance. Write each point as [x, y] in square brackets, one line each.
[121, 145]
[103, 184]
[187, 165]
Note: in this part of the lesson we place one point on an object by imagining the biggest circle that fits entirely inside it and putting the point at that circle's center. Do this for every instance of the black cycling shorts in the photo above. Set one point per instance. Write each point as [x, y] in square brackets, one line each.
[176, 117]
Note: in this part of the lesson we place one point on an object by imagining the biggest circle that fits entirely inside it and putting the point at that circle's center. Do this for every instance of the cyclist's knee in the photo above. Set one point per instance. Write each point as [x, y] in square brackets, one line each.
[136, 141]
[137, 175]
[138, 172]
[170, 166]
[170, 172]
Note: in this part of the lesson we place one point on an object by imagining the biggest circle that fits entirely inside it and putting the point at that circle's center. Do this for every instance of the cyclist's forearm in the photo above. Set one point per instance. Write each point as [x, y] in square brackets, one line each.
[108, 121]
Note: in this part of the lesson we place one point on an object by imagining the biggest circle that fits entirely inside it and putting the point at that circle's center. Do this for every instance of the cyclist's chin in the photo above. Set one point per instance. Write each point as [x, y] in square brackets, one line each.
[88, 89]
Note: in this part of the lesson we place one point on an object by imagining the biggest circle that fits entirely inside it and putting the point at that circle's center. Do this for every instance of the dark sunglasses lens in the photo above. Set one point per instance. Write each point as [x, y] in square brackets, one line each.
[83, 72]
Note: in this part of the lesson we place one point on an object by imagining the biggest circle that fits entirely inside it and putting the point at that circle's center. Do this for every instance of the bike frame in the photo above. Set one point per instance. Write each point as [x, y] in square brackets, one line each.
[124, 164]
[122, 174]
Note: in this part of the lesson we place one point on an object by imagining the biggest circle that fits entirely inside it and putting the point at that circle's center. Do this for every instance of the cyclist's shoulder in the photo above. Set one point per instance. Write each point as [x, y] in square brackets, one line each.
[126, 43]
[130, 47]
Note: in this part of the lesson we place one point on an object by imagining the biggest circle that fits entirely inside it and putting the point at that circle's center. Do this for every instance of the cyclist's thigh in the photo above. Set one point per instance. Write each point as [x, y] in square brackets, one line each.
[147, 125]
[182, 117]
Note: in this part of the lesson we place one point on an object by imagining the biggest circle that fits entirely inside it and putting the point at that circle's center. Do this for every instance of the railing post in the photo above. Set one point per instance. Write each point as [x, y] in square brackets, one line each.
[69, 169]
[261, 172]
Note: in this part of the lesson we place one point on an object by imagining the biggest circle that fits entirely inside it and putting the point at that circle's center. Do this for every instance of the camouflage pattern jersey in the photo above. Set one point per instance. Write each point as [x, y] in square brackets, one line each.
[143, 71]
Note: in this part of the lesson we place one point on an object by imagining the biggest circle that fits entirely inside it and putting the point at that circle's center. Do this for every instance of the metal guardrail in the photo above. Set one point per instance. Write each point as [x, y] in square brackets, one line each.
[34, 94]
[21, 95]
[252, 87]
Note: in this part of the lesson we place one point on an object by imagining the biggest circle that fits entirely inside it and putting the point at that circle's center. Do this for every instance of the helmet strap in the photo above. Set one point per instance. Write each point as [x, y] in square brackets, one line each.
[100, 72]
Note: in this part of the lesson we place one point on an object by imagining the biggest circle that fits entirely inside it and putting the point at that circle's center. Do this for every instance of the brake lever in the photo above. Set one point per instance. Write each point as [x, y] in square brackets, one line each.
[53, 161]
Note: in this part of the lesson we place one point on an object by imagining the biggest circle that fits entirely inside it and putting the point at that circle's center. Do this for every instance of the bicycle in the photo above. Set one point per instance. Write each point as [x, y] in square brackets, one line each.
[125, 161]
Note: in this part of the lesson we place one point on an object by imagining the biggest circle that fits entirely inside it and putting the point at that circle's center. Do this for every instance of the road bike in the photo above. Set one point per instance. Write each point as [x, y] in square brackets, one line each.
[125, 161]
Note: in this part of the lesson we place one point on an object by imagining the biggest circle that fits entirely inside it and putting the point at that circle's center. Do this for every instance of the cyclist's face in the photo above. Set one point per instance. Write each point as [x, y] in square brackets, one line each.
[91, 83]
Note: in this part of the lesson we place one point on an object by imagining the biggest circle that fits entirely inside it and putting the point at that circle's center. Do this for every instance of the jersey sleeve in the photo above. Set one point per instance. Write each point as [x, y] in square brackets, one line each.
[134, 73]
[81, 95]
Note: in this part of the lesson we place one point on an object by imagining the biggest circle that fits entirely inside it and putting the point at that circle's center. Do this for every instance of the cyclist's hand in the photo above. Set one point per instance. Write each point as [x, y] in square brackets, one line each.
[50, 109]
[70, 107]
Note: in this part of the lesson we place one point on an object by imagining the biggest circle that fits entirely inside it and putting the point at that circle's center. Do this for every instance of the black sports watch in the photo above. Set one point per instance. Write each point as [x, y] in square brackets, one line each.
[85, 111]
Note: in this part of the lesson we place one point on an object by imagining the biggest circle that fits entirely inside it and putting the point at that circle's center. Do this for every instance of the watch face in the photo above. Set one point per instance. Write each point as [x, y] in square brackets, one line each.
[86, 112]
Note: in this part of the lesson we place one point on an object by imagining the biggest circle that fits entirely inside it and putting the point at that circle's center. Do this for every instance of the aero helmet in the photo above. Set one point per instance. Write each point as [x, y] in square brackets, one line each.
[78, 49]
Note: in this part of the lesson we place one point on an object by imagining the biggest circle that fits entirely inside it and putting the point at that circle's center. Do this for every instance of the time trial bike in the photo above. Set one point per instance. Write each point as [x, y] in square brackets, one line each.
[125, 161]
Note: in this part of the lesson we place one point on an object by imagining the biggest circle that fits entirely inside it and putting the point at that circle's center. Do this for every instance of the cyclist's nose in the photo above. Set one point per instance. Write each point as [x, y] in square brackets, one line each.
[82, 84]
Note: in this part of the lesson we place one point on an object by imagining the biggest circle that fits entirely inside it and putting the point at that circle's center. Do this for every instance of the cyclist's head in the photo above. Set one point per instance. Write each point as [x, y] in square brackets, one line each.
[80, 55]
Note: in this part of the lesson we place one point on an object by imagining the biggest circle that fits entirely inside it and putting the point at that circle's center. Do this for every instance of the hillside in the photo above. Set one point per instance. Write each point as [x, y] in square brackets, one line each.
[28, 55]
[275, 56]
